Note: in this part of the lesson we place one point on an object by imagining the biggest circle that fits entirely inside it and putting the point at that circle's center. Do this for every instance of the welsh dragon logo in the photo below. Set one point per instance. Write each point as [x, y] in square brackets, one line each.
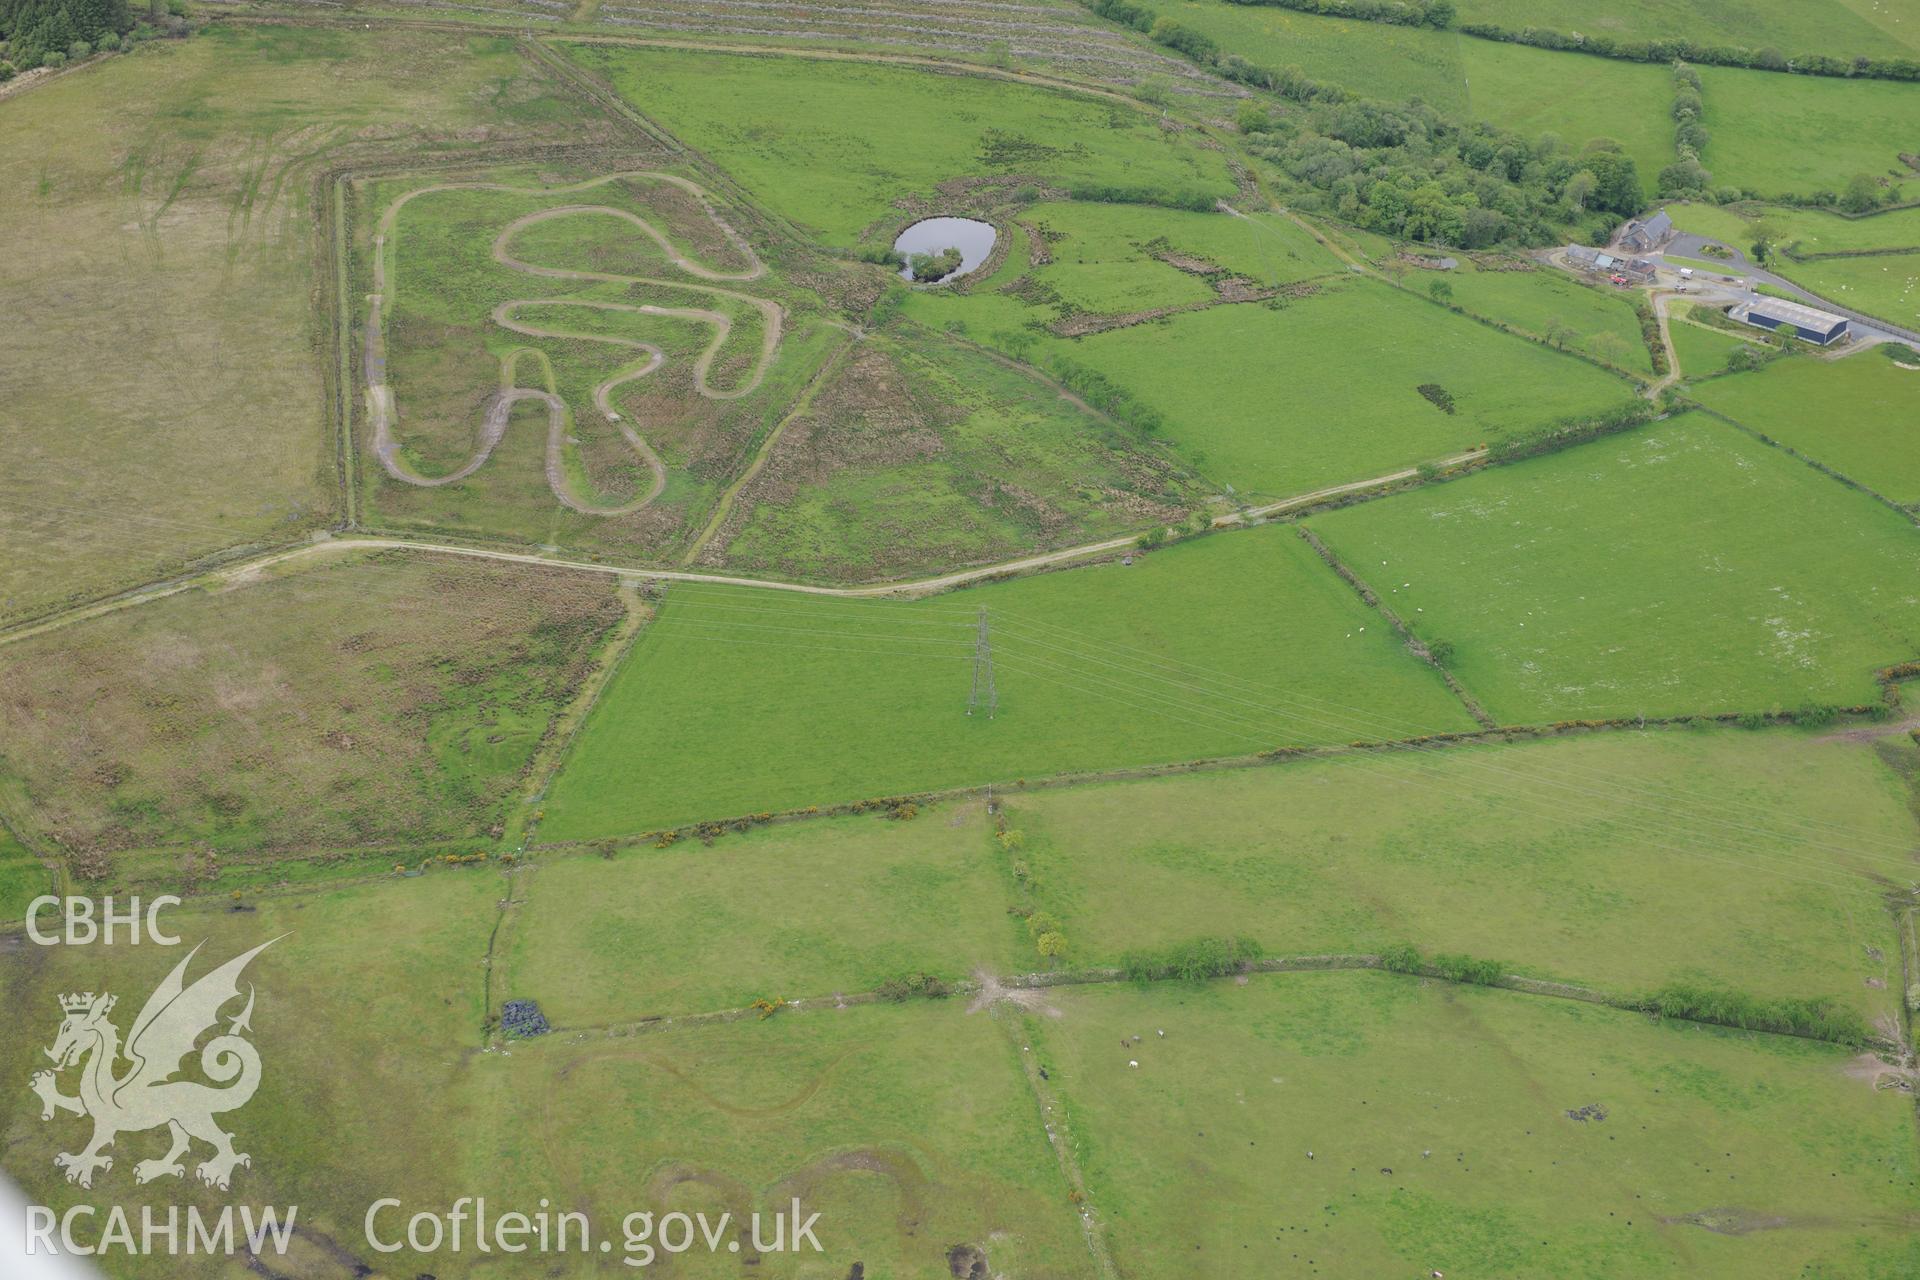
[145, 1095]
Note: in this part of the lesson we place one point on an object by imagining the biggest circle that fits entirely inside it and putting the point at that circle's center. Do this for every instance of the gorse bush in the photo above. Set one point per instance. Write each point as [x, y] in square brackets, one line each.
[1570, 431]
[1192, 961]
[1402, 957]
[1819, 1018]
[1460, 968]
[913, 986]
[1106, 395]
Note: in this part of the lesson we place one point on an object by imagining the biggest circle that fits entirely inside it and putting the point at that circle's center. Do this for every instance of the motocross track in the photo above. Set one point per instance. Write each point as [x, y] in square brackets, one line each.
[499, 408]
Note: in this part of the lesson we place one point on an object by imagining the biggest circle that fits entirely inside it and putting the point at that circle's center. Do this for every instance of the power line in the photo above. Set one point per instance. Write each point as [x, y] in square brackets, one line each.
[983, 690]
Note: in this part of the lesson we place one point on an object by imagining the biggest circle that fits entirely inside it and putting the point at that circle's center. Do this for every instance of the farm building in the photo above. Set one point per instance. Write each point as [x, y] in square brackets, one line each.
[1822, 327]
[1641, 237]
[1600, 262]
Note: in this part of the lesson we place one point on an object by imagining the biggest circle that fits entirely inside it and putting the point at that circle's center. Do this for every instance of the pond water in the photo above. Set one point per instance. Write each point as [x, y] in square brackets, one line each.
[973, 238]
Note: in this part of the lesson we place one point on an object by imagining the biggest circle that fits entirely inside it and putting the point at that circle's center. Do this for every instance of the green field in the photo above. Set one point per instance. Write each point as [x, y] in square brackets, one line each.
[1645, 574]
[917, 453]
[1364, 1125]
[1886, 286]
[362, 704]
[735, 702]
[909, 1129]
[1860, 416]
[1326, 389]
[1801, 230]
[1703, 350]
[1113, 259]
[1249, 394]
[1581, 859]
[1834, 27]
[1375, 60]
[1533, 91]
[23, 877]
[842, 904]
[840, 147]
[1778, 134]
[1593, 319]
[1530, 91]
[378, 982]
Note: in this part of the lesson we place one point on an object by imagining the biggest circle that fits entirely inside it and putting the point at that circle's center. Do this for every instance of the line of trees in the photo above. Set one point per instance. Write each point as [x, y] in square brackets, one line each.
[1440, 14]
[1687, 176]
[1680, 49]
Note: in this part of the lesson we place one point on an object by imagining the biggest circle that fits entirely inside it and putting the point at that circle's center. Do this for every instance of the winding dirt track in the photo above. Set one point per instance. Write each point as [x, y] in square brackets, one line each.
[384, 412]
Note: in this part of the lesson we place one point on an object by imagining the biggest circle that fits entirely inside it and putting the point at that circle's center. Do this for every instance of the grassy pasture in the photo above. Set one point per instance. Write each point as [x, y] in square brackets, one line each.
[1375, 60]
[1365, 1125]
[159, 279]
[374, 983]
[1878, 283]
[836, 147]
[1835, 27]
[23, 877]
[1531, 91]
[1277, 402]
[910, 1129]
[1581, 859]
[917, 454]
[1860, 415]
[841, 904]
[1535, 91]
[1803, 230]
[1645, 574]
[1599, 323]
[1703, 351]
[1886, 285]
[1775, 133]
[1110, 259]
[368, 702]
[736, 702]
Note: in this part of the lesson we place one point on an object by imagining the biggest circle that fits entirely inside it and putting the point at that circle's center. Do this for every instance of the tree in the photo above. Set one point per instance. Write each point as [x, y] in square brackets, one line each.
[1015, 342]
[1439, 14]
[1579, 190]
[1051, 944]
[1617, 186]
[1440, 291]
[1608, 345]
[1862, 194]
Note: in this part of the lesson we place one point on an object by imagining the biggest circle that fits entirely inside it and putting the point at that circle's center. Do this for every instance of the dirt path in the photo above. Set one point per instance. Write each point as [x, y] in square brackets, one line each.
[1873, 732]
[243, 571]
[1674, 372]
[384, 412]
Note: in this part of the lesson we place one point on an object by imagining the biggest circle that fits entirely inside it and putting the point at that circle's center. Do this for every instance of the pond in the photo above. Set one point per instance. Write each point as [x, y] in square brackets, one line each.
[973, 238]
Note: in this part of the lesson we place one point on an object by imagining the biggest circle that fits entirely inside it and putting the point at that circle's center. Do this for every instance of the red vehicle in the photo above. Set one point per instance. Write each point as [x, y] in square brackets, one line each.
[1618, 279]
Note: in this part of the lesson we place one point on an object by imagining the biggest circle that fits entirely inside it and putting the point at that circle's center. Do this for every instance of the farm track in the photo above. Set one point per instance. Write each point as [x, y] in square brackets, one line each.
[499, 408]
[243, 571]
